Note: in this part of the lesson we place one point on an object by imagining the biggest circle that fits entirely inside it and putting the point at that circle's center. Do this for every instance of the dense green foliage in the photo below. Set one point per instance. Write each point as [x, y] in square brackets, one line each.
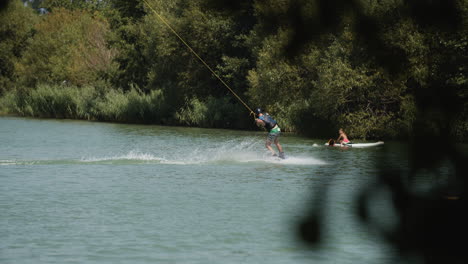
[68, 46]
[15, 35]
[114, 61]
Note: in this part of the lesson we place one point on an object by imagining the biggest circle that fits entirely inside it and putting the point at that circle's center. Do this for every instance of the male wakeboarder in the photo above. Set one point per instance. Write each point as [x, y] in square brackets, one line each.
[274, 131]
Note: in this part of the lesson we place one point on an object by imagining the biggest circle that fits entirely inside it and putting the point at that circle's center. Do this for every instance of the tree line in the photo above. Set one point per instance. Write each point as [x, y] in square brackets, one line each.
[366, 66]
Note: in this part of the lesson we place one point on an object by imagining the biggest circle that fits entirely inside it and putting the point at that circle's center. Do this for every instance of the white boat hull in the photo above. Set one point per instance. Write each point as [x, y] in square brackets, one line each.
[358, 145]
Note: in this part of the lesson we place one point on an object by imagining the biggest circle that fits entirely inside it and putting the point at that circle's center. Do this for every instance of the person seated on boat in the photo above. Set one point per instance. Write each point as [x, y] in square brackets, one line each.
[274, 131]
[331, 142]
[343, 138]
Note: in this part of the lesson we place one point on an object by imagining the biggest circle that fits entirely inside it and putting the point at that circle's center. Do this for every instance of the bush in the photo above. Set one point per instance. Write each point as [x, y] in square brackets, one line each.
[132, 106]
[59, 101]
[213, 112]
[56, 101]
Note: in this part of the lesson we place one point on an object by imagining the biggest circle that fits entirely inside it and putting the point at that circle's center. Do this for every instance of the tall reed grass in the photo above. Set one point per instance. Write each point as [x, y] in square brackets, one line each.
[58, 101]
[133, 106]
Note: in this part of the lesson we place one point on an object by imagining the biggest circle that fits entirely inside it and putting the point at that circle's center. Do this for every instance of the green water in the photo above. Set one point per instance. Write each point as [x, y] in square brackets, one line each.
[83, 192]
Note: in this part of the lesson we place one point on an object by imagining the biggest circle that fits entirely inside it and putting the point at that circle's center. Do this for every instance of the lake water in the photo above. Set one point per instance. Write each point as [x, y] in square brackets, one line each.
[85, 192]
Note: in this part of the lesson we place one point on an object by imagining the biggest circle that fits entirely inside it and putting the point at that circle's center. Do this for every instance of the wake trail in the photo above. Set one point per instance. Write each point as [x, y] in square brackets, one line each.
[229, 152]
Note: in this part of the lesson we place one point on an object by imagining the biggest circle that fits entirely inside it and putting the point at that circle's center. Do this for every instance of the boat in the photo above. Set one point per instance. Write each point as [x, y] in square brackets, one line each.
[357, 145]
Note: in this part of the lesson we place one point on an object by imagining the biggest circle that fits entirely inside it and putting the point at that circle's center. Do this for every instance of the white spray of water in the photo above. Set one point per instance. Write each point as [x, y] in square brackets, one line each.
[221, 153]
[227, 152]
[133, 155]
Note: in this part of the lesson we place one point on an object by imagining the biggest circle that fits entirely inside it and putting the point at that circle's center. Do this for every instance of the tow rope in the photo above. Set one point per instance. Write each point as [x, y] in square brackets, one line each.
[198, 57]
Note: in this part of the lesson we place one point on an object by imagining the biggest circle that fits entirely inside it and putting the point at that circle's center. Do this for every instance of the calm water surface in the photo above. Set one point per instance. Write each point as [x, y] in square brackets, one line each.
[83, 192]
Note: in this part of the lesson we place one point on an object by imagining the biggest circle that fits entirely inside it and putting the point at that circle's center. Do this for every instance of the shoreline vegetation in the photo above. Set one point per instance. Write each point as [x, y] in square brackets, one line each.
[112, 61]
[132, 107]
